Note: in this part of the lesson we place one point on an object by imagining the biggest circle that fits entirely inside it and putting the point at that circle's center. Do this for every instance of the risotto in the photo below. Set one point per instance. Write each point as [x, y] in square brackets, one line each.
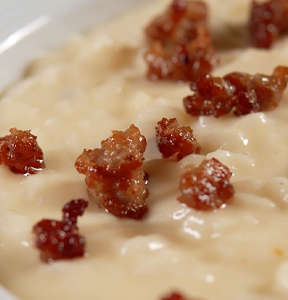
[72, 99]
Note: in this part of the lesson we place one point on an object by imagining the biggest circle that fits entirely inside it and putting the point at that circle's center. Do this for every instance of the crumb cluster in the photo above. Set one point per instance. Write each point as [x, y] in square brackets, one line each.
[174, 141]
[20, 152]
[240, 92]
[207, 186]
[114, 173]
[180, 46]
[61, 239]
[267, 21]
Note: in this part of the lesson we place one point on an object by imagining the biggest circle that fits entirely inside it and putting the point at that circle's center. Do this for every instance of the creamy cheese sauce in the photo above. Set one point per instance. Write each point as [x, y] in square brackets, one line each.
[72, 99]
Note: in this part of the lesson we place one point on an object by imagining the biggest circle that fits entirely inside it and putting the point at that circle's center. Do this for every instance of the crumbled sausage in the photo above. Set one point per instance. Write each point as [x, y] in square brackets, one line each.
[20, 152]
[213, 96]
[174, 141]
[114, 174]
[180, 46]
[259, 92]
[240, 92]
[267, 21]
[61, 239]
[177, 296]
[207, 186]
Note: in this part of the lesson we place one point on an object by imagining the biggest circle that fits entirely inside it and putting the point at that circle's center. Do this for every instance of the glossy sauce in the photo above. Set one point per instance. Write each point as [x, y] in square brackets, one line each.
[72, 99]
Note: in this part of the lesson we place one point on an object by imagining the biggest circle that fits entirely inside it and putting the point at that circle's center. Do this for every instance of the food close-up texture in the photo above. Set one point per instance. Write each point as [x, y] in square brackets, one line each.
[147, 158]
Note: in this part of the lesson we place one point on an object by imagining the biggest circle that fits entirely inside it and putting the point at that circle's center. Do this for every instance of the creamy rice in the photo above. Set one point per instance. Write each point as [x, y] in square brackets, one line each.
[72, 99]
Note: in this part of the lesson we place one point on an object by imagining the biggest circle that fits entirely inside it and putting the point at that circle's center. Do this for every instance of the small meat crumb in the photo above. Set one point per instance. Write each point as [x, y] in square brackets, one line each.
[20, 152]
[177, 296]
[207, 186]
[114, 174]
[180, 46]
[174, 141]
[240, 92]
[267, 21]
[61, 239]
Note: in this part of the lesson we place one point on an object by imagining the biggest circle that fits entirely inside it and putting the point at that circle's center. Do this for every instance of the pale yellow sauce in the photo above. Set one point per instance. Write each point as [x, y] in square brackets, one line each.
[72, 99]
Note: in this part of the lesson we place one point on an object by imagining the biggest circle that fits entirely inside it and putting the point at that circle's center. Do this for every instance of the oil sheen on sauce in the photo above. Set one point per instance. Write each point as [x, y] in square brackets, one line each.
[72, 99]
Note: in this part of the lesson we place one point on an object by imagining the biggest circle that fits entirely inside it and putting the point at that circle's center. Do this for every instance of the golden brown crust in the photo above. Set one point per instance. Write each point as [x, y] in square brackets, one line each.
[61, 239]
[207, 186]
[267, 21]
[114, 174]
[179, 41]
[20, 152]
[174, 141]
[240, 92]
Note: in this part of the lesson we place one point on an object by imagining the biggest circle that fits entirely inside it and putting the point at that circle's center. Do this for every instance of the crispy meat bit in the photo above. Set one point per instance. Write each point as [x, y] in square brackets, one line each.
[213, 96]
[267, 21]
[72, 210]
[20, 152]
[207, 186]
[174, 141]
[259, 92]
[243, 93]
[61, 239]
[114, 174]
[180, 45]
[178, 21]
[177, 296]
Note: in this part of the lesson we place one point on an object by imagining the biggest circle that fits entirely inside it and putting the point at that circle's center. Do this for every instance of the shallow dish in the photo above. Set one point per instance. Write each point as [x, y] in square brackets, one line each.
[72, 98]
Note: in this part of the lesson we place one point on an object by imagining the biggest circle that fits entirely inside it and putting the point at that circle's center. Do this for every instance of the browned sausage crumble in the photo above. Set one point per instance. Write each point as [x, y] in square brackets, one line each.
[267, 21]
[114, 174]
[177, 296]
[241, 92]
[179, 41]
[174, 141]
[61, 239]
[20, 152]
[207, 186]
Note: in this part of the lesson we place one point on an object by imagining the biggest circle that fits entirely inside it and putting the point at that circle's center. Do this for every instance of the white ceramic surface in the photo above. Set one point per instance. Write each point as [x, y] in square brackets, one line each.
[31, 27]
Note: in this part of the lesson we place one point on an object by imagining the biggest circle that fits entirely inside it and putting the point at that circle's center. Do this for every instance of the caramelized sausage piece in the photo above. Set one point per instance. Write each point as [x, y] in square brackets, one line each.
[174, 141]
[240, 92]
[207, 186]
[267, 21]
[20, 152]
[179, 41]
[114, 174]
[61, 239]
